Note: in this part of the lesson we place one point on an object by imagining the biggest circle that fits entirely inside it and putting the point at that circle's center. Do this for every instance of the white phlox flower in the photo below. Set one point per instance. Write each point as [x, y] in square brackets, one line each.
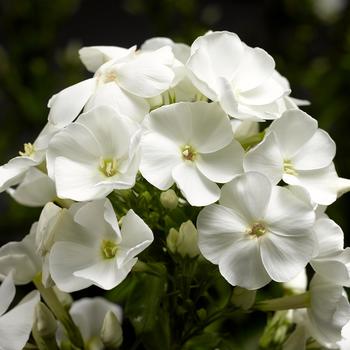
[32, 155]
[296, 151]
[324, 319]
[258, 233]
[91, 249]
[21, 259]
[35, 190]
[88, 314]
[192, 145]
[298, 284]
[242, 79]
[15, 324]
[123, 82]
[89, 158]
[332, 261]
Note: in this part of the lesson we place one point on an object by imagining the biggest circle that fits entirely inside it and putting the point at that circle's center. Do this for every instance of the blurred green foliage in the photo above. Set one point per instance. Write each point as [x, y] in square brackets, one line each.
[310, 43]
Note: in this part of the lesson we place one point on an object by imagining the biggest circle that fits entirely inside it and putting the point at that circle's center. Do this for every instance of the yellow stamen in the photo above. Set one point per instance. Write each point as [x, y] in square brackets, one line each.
[109, 167]
[288, 168]
[109, 249]
[257, 230]
[28, 150]
[188, 153]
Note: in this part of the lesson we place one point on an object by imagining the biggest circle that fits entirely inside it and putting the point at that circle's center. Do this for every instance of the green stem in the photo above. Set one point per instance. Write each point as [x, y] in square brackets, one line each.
[50, 297]
[299, 301]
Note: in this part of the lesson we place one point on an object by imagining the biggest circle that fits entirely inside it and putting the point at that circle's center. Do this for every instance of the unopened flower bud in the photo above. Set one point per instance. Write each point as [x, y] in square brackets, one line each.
[184, 241]
[243, 298]
[111, 331]
[169, 199]
[65, 298]
[46, 324]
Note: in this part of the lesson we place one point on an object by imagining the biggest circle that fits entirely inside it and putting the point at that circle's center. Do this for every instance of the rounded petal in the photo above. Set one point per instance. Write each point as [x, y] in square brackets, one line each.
[256, 66]
[266, 159]
[196, 188]
[7, 293]
[67, 258]
[218, 228]
[294, 129]
[221, 166]
[16, 325]
[284, 257]
[242, 266]
[288, 215]
[159, 157]
[127, 104]
[248, 195]
[148, 74]
[67, 104]
[317, 153]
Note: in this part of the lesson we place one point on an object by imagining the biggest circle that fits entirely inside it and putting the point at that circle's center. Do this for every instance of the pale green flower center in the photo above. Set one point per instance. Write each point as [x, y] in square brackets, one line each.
[29, 150]
[257, 230]
[188, 153]
[108, 166]
[288, 168]
[109, 249]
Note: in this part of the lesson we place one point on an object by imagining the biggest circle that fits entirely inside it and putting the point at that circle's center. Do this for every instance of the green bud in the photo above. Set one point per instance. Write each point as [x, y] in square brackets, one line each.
[184, 241]
[46, 324]
[111, 331]
[169, 199]
[243, 298]
[65, 298]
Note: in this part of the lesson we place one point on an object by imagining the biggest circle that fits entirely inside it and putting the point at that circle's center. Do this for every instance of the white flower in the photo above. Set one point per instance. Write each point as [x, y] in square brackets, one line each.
[241, 78]
[32, 155]
[332, 261]
[122, 82]
[21, 258]
[35, 190]
[88, 314]
[295, 150]
[257, 233]
[91, 249]
[298, 284]
[90, 158]
[16, 324]
[192, 145]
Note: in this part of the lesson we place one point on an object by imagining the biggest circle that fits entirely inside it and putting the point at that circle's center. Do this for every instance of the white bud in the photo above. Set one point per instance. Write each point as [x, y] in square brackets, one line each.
[111, 331]
[169, 199]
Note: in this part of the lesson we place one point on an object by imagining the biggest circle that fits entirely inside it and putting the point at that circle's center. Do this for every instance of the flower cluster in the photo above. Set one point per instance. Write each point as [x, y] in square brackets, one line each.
[171, 160]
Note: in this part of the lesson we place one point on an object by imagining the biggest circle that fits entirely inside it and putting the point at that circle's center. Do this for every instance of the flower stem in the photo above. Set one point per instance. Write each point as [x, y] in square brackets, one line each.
[50, 297]
[299, 301]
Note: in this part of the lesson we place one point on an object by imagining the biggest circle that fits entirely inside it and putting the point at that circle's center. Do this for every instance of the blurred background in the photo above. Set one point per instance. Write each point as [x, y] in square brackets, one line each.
[39, 42]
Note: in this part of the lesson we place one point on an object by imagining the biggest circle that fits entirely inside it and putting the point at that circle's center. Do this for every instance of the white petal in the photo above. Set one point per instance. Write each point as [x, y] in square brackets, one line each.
[266, 159]
[67, 258]
[221, 166]
[248, 195]
[106, 274]
[16, 325]
[293, 130]
[95, 56]
[269, 91]
[196, 188]
[136, 235]
[112, 95]
[227, 99]
[242, 266]
[317, 153]
[67, 104]
[35, 190]
[159, 157]
[149, 74]
[297, 340]
[78, 181]
[218, 228]
[256, 66]
[287, 215]
[285, 257]
[7, 293]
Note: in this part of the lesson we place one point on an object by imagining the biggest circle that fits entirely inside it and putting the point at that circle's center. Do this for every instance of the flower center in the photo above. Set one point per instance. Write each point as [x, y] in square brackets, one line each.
[257, 230]
[288, 168]
[188, 153]
[28, 150]
[109, 76]
[109, 166]
[109, 249]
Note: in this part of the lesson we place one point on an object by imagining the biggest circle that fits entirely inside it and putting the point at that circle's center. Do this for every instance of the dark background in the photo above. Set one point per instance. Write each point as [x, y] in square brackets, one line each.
[39, 42]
